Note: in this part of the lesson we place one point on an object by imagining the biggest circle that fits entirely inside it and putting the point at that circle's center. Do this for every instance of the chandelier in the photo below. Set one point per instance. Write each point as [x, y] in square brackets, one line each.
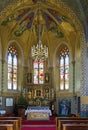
[40, 51]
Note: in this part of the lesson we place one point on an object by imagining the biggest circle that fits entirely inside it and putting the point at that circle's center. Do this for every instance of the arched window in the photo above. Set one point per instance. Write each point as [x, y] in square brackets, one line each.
[64, 68]
[38, 72]
[12, 68]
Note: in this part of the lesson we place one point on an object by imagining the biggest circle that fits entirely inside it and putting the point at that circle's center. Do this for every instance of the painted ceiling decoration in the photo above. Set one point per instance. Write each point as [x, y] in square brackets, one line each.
[73, 4]
[25, 16]
[20, 16]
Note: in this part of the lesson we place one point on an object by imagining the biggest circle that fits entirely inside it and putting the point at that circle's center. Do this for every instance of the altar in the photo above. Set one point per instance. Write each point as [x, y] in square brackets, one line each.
[38, 113]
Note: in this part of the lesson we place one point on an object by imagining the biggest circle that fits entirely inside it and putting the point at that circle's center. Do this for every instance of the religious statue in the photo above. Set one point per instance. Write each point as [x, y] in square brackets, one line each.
[29, 77]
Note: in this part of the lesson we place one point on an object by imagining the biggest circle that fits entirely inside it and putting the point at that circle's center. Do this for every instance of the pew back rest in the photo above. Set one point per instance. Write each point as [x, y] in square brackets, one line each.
[61, 122]
[13, 118]
[75, 126]
[68, 118]
[14, 122]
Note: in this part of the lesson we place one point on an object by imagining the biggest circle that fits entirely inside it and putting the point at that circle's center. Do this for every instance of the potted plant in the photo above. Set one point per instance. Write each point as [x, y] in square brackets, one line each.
[21, 105]
[22, 101]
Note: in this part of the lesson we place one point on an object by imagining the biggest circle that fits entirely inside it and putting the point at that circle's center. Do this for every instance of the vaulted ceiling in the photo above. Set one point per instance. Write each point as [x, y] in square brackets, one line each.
[80, 7]
[20, 19]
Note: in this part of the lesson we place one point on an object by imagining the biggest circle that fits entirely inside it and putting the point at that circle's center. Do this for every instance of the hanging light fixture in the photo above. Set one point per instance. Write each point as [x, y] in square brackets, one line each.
[40, 51]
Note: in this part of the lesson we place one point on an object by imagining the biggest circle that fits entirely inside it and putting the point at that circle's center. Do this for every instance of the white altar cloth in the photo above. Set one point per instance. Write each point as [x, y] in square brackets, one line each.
[39, 111]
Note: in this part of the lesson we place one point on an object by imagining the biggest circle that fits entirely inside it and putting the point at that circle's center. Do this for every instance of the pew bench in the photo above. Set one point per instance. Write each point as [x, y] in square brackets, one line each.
[61, 122]
[75, 126]
[6, 126]
[14, 122]
[14, 118]
[68, 118]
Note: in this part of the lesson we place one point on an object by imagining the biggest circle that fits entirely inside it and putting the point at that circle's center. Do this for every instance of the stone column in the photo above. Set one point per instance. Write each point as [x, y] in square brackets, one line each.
[4, 83]
[73, 67]
[84, 81]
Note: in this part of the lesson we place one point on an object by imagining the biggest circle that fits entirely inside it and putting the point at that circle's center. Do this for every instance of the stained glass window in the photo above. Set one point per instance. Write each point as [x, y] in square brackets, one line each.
[12, 68]
[38, 72]
[64, 68]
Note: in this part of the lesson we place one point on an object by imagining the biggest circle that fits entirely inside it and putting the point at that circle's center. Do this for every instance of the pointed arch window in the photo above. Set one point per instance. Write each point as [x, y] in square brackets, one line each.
[12, 68]
[64, 68]
[38, 72]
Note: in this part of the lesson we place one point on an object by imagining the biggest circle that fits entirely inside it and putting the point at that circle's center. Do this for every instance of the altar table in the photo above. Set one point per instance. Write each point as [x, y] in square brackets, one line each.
[38, 113]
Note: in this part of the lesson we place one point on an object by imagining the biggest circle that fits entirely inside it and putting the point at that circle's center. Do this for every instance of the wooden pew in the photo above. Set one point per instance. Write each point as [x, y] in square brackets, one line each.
[7, 126]
[61, 122]
[75, 126]
[14, 122]
[14, 118]
[68, 118]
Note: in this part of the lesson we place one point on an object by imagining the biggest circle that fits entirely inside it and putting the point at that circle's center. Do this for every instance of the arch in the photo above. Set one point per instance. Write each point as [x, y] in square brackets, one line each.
[19, 49]
[82, 44]
[56, 61]
[57, 49]
[20, 62]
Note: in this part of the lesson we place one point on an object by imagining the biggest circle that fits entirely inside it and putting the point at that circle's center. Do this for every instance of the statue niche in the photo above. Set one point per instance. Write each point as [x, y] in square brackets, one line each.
[29, 77]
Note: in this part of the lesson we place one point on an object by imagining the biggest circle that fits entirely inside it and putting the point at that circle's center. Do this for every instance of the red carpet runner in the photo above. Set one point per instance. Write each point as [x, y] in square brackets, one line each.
[38, 128]
[39, 125]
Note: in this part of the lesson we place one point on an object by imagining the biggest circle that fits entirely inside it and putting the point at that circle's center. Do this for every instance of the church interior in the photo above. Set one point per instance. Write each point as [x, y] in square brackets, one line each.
[44, 57]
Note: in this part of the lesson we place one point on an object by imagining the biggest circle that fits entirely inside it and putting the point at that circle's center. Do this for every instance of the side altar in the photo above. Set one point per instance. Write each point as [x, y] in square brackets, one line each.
[38, 113]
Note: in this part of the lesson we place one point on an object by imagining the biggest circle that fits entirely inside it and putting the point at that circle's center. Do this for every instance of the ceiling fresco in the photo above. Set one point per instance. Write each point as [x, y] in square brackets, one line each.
[73, 4]
[26, 17]
[28, 14]
[59, 20]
